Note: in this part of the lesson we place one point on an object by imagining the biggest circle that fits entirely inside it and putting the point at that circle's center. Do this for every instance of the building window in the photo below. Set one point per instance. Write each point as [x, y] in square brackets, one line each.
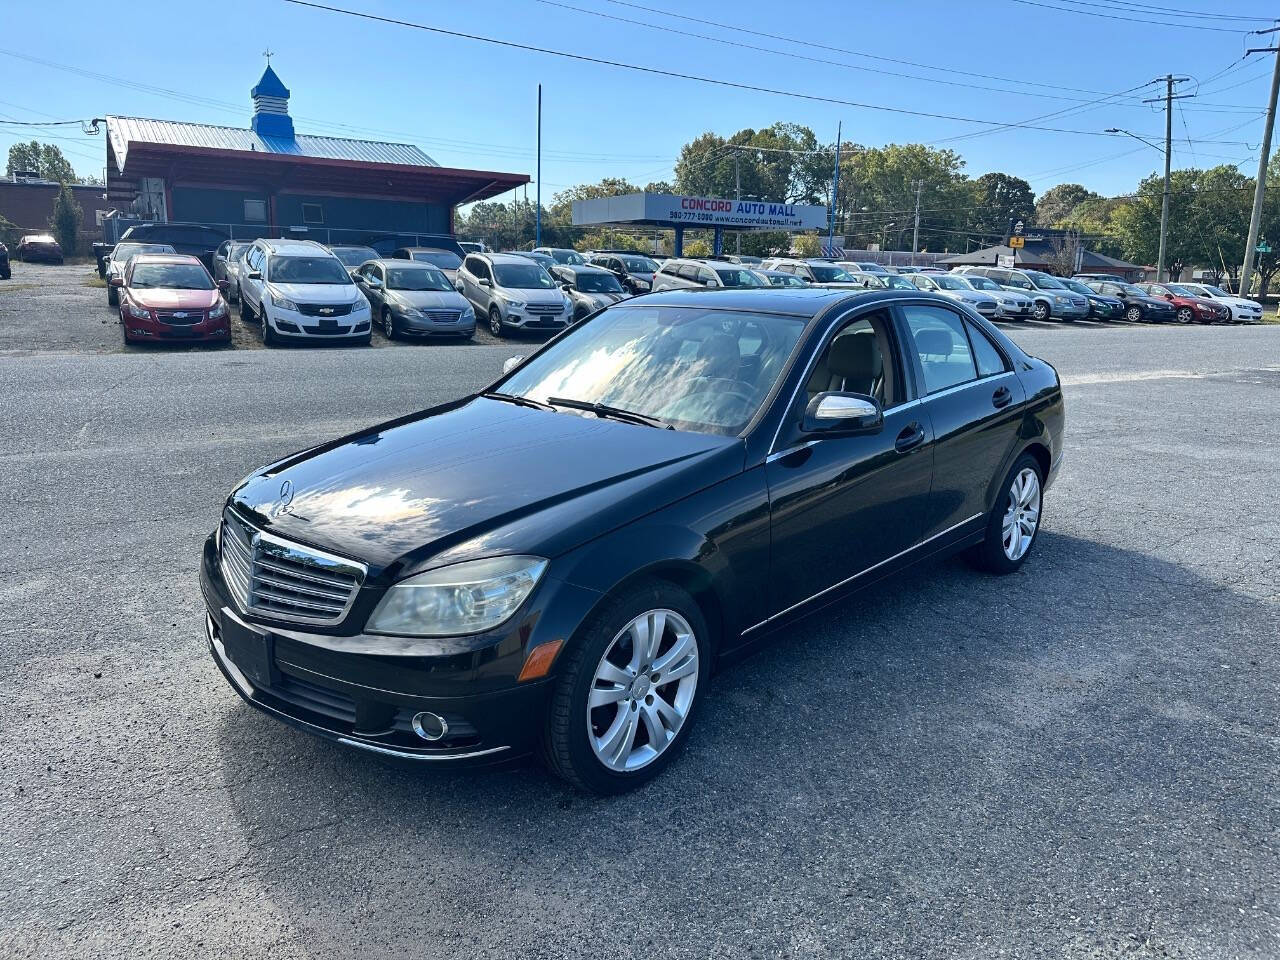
[312, 213]
[255, 211]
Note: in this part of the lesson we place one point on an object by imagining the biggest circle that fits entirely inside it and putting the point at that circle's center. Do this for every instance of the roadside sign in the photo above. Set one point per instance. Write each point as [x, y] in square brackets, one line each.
[1005, 260]
[1017, 232]
[1263, 247]
[1017, 243]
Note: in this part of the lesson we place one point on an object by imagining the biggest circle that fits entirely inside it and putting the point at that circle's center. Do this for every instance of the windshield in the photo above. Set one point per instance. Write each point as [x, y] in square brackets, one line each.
[171, 276]
[444, 259]
[639, 264]
[1045, 282]
[417, 278]
[1075, 286]
[126, 251]
[326, 270]
[354, 256]
[1181, 291]
[948, 283]
[522, 276]
[1014, 280]
[741, 277]
[828, 274]
[785, 280]
[1132, 290]
[597, 283]
[895, 282]
[568, 256]
[982, 283]
[1215, 291]
[702, 370]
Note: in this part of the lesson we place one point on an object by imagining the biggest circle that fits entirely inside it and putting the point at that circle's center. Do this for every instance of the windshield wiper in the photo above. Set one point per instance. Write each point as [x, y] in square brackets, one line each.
[519, 401]
[604, 410]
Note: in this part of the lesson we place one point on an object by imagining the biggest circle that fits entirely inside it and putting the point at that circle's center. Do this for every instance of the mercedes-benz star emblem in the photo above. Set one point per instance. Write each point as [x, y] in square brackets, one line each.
[286, 493]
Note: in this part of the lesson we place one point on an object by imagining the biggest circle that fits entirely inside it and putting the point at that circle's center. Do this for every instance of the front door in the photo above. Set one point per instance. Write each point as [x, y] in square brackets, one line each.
[840, 506]
[974, 403]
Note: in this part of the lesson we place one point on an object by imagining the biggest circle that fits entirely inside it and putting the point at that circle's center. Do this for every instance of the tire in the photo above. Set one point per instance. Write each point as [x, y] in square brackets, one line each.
[1184, 315]
[388, 324]
[269, 338]
[495, 323]
[575, 735]
[246, 315]
[1133, 314]
[1040, 311]
[1019, 506]
[113, 298]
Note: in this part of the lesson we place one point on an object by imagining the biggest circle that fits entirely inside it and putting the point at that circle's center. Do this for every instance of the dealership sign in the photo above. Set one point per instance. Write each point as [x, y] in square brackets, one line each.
[662, 209]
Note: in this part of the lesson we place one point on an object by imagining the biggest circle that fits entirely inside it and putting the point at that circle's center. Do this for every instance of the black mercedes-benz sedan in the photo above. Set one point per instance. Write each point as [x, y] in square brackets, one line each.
[557, 563]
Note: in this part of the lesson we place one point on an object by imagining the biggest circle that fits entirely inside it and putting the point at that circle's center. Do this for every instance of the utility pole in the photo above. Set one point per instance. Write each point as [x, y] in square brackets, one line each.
[537, 228]
[737, 195]
[1255, 218]
[1169, 81]
[915, 235]
[835, 192]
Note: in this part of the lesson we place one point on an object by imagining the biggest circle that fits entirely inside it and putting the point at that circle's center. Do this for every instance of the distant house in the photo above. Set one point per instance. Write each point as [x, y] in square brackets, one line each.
[268, 180]
[27, 202]
[1039, 251]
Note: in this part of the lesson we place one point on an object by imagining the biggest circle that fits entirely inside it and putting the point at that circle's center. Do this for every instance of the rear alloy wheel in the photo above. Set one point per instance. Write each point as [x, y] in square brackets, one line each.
[1185, 315]
[1014, 520]
[624, 703]
[495, 322]
[388, 324]
[1133, 314]
[1040, 311]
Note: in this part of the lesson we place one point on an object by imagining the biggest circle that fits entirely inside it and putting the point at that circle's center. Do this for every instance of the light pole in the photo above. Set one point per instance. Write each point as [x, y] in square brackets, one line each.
[884, 233]
[1164, 202]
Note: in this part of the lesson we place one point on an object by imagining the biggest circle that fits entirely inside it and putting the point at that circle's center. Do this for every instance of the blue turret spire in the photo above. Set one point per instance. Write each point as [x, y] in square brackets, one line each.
[271, 107]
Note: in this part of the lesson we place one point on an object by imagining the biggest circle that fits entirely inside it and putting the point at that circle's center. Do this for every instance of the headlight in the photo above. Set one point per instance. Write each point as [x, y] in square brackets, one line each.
[468, 597]
[138, 313]
[283, 302]
[518, 304]
[218, 312]
[360, 306]
[468, 311]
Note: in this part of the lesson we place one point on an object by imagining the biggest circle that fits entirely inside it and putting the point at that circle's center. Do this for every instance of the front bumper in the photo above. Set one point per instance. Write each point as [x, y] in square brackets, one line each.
[1014, 311]
[1246, 314]
[204, 331]
[330, 686]
[1069, 311]
[522, 320]
[300, 326]
[426, 327]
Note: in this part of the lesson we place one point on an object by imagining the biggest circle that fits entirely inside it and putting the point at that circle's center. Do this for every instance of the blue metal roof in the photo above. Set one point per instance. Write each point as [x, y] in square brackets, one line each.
[125, 131]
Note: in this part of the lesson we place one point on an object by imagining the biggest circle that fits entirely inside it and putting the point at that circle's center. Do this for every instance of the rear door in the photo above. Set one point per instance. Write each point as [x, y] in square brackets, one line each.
[973, 401]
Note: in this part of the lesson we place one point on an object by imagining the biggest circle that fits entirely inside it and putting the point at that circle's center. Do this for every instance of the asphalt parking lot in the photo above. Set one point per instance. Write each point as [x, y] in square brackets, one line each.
[1079, 760]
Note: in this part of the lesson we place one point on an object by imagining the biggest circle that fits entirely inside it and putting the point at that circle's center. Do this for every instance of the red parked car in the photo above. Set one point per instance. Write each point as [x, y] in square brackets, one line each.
[1187, 305]
[38, 246]
[167, 296]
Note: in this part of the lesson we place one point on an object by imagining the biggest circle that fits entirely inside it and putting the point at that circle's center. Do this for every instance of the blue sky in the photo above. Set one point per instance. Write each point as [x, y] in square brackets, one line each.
[472, 104]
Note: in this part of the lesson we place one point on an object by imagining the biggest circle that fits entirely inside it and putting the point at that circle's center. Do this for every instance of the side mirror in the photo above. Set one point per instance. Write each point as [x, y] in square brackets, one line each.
[224, 285]
[511, 363]
[566, 285]
[117, 281]
[255, 275]
[844, 413]
[485, 282]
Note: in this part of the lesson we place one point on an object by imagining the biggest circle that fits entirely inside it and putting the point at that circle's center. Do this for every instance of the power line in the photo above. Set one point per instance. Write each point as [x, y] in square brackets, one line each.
[1167, 11]
[657, 71]
[1112, 16]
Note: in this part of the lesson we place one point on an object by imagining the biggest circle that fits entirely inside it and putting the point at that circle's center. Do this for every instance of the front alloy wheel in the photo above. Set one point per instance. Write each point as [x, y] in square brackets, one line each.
[1040, 311]
[495, 321]
[1185, 315]
[388, 324]
[1133, 314]
[624, 698]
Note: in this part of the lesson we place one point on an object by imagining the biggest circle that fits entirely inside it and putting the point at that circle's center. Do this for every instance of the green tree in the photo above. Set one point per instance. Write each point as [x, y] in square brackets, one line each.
[66, 220]
[878, 195]
[43, 159]
[998, 198]
[807, 244]
[1269, 263]
[1056, 204]
[660, 186]
[781, 162]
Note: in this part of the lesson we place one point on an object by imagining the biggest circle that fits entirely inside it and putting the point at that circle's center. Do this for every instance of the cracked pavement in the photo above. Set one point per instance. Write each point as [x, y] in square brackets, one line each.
[1078, 760]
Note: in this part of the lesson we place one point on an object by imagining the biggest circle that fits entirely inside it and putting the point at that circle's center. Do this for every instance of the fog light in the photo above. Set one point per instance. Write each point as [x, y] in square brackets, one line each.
[429, 726]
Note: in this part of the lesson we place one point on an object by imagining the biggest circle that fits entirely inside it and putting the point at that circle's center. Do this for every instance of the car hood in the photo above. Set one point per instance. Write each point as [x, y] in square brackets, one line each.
[1236, 301]
[161, 299]
[318, 292]
[1017, 296]
[969, 296]
[429, 299]
[480, 477]
[601, 299]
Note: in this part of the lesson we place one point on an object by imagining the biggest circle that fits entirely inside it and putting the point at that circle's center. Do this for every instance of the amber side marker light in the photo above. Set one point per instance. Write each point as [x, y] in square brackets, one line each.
[539, 660]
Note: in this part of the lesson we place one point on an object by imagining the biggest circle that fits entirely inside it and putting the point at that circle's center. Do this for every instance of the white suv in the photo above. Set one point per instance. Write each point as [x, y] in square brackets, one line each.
[510, 290]
[298, 290]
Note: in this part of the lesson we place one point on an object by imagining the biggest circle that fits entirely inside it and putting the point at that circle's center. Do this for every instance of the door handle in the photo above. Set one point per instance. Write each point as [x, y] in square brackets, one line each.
[1002, 397]
[912, 436]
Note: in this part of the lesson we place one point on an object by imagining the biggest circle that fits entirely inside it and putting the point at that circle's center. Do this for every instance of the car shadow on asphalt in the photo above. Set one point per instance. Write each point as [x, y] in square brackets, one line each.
[1086, 716]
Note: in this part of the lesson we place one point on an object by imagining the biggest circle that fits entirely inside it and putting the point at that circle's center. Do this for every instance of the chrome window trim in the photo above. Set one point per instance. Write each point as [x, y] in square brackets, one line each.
[861, 573]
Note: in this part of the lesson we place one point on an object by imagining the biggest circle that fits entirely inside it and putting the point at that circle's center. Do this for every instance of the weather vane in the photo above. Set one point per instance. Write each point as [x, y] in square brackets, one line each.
[267, 53]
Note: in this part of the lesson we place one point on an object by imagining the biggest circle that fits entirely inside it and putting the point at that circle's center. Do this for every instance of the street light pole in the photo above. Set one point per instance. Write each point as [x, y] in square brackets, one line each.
[737, 195]
[1169, 81]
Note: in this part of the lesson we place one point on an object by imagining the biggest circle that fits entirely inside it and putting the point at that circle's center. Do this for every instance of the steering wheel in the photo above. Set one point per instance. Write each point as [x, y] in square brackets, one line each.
[733, 388]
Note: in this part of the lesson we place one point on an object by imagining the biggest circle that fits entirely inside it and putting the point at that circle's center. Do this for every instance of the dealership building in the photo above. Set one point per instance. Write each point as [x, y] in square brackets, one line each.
[269, 180]
[679, 213]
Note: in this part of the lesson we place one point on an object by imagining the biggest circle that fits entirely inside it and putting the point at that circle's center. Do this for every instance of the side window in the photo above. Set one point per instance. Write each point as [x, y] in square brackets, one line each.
[482, 270]
[689, 271]
[706, 276]
[920, 281]
[857, 361]
[985, 355]
[472, 266]
[942, 346]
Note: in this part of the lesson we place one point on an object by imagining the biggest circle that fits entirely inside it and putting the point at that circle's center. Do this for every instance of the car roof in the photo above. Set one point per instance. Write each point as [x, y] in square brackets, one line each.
[583, 268]
[503, 257]
[807, 301]
[708, 262]
[426, 250]
[405, 264]
[350, 246]
[296, 248]
[166, 258]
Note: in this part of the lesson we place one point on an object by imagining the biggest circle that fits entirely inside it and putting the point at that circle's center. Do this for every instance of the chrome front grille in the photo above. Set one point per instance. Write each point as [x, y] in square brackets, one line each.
[443, 316]
[544, 310]
[274, 577]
